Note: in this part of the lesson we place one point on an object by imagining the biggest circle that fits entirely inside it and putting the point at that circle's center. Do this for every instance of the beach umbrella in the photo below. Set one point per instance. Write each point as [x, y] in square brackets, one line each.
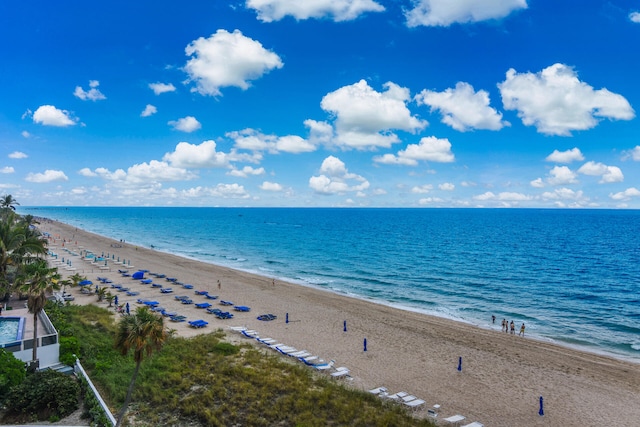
[85, 283]
[365, 344]
[127, 308]
[344, 328]
[115, 300]
[541, 411]
[460, 363]
[286, 318]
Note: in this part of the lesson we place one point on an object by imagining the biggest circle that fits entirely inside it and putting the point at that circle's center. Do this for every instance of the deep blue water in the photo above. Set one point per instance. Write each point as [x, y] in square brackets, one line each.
[572, 276]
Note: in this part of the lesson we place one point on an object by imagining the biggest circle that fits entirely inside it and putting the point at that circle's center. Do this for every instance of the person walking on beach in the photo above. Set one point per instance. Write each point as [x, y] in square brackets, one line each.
[219, 285]
[513, 328]
[521, 330]
[505, 325]
[493, 319]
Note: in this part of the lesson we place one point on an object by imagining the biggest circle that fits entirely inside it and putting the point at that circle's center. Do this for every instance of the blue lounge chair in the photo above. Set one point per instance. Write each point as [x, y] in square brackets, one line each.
[224, 315]
[203, 305]
[186, 301]
[178, 318]
[226, 302]
[267, 317]
[198, 323]
[214, 310]
[241, 308]
[181, 297]
[146, 281]
[211, 296]
[202, 292]
[169, 313]
[187, 286]
[156, 285]
[171, 279]
[133, 293]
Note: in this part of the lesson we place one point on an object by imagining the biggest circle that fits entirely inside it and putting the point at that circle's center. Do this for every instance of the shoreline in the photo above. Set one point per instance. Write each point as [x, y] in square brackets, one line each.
[502, 377]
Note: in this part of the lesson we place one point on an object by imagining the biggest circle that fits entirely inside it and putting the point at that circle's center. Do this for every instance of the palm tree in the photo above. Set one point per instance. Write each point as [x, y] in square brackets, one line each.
[7, 203]
[37, 280]
[143, 333]
[18, 244]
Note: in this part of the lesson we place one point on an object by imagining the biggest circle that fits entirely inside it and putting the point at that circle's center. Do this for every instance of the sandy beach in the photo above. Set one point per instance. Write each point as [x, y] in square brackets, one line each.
[502, 375]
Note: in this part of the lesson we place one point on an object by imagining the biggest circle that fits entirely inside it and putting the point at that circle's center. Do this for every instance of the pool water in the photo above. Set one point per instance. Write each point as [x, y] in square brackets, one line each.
[11, 329]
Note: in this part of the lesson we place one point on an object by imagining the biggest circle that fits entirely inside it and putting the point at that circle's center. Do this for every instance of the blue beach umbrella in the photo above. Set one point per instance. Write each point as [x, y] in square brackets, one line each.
[541, 411]
[460, 363]
[286, 318]
[365, 344]
[344, 328]
[85, 283]
[115, 300]
[127, 308]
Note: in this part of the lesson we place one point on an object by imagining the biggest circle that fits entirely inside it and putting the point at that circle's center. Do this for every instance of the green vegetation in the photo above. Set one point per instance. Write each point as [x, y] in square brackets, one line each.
[43, 395]
[12, 372]
[207, 381]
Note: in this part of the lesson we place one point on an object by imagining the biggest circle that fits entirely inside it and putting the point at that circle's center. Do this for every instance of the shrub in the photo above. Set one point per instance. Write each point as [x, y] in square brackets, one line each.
[12, 372]
[69, 348]
[44, 394]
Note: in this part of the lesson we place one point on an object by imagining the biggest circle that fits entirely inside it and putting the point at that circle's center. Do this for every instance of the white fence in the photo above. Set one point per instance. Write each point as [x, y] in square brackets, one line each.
[80, 370]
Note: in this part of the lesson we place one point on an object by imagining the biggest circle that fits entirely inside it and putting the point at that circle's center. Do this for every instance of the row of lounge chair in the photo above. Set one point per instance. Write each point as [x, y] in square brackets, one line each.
[302, 355]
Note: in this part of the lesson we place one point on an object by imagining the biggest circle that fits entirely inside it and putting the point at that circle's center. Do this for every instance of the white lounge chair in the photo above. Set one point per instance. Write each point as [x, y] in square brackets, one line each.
[474, 424]
[340, 372]
[408, 398]
[415, 404]
[397, 396]
[378, 391]
[324, 366]
[455, 419]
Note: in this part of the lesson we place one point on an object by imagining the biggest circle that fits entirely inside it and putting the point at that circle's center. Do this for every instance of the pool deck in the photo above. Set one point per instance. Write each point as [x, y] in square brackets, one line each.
[28, 324]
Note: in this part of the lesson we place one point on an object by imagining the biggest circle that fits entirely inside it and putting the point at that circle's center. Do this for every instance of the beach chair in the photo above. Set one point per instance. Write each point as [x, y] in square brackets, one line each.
[242, 308]
[249, 334]
[133, 293]
[169, 313]
[310, 360]
[187, 286]
[186, 301]
[267, 317]
[474, 424]
[203, 305]
[181, 297]
[211, 296]
[215, 311]
[198, 323]
[378, 390]
[324, 366]
[226, 302]
[202, 292]
[415, 404]
[171, 279]
[178, 318]
[455, 419]
[432, 413]
[166, 290]
[340, 372]
[397, 396]
[156, 285]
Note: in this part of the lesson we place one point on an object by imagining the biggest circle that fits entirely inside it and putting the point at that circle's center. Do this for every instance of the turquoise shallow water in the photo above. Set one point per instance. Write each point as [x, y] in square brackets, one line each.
[572, 276]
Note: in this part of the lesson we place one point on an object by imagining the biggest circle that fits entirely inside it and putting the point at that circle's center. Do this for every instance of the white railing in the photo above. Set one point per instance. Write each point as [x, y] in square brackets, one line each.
[80, 370]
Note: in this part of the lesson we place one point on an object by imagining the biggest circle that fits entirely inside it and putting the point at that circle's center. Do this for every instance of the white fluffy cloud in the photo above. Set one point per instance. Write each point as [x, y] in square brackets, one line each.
[447, 186]
[365, 117]
[93, 94]
[149, 110]
[557, 103]
[227, 59]
[562, 175]
[7, 169]
[48, 176]
[203, 155]
[338, 10]
[608, 174]
[633, 154]
[271, 186]
[635, 17]
[422, 189]
[159, 87]
[17, 155]
[626, 194]
[334, 178]
[568, 156]
[49, 115]
[446, 12]
[185, 124]
[251, 139]
[429, 149]
[462, 108]
[246, 171]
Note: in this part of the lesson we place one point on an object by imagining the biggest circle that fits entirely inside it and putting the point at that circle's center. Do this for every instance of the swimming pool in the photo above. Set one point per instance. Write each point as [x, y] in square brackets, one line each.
[11, 330]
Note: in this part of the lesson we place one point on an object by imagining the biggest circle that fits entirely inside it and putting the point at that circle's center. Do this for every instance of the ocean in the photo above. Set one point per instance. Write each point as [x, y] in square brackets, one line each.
[572, 276]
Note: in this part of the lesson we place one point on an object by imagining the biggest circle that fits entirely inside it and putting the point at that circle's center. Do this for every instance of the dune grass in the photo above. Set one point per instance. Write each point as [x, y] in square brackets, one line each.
[207, 381]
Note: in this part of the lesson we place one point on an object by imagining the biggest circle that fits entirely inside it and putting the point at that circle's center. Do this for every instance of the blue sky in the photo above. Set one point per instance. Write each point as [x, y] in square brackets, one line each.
[409, 103]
